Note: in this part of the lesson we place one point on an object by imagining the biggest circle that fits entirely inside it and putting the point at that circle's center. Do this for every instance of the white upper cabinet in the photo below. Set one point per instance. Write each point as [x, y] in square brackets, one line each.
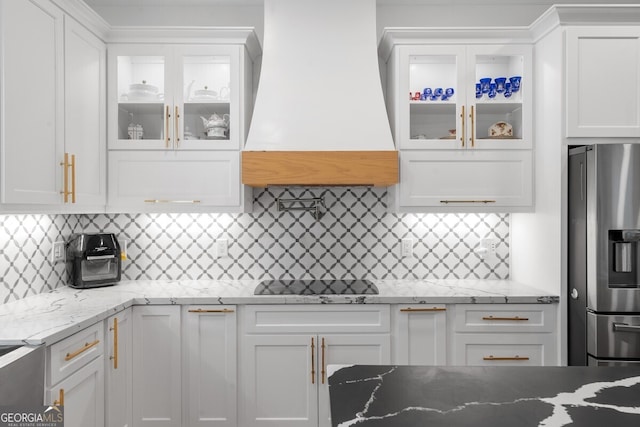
[53, 115]
[174, 97]
[32, 102]
[603, 82]
[464, 97]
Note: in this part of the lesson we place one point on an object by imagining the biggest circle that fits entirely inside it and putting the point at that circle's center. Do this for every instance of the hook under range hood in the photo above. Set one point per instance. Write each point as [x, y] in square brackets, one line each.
[319, 116]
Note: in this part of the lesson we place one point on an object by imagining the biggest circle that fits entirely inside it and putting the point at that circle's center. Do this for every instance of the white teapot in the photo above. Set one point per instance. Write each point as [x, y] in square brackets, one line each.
[216, 125]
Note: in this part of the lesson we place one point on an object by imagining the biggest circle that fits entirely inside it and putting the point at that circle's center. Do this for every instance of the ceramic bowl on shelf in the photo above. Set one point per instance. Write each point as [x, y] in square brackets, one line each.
[501, 130]
[142, 91]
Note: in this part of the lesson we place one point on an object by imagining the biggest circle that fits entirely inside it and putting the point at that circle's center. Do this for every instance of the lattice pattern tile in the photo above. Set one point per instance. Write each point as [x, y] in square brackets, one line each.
[356, 238]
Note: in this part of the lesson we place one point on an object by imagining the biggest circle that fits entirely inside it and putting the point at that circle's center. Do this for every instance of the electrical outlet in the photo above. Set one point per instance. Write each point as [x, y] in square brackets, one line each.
[57, 252]
[407, 247]
[222, 248]
[490, 245]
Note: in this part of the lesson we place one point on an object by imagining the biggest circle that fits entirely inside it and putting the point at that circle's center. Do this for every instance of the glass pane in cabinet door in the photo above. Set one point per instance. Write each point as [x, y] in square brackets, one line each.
[432, 97]
[141, 97]
[499, 94]
[207, 94]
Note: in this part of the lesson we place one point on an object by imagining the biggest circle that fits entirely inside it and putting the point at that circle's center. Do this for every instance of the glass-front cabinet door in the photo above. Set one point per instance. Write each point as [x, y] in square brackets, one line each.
[500, 115]
[208, 79]
[465, 97]
[172, 98]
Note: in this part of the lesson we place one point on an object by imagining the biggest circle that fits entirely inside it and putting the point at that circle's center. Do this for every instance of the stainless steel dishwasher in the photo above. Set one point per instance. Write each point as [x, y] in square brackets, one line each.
[22, 375]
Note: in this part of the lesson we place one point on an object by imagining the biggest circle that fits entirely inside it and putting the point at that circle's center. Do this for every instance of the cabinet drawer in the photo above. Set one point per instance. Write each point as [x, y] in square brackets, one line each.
[505, 318]
[504, 350]
[67, 356]
[322, 319]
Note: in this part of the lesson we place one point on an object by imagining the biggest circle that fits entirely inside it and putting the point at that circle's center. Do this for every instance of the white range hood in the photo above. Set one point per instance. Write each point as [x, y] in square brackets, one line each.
[319, 116]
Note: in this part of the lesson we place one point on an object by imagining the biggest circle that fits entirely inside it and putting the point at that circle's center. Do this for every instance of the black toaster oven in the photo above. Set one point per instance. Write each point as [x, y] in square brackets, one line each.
[93, 260]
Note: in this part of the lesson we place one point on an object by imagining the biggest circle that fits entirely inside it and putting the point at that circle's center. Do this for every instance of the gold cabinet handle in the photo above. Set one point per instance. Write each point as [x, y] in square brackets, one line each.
[473, 128]
[171, 201]
[516, 357]
[73, 178]
[115, 343]
[60, 400]
[65, 178]
[416, 310]
[175, 131]
[313, 361]
[324, 371]
[462, 117]
[516, 318]
[467, 201]
[224, 310]
[86, 347]
[167, 139]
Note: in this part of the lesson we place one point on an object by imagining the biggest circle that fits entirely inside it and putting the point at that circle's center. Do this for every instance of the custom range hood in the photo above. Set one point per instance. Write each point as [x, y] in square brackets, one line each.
[319, 116]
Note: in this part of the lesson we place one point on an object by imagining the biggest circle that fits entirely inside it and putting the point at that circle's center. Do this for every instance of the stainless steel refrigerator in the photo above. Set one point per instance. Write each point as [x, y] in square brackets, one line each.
[604, 254]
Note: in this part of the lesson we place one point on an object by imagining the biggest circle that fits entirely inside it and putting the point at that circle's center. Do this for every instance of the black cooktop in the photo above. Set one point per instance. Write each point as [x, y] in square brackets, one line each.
[316, 287]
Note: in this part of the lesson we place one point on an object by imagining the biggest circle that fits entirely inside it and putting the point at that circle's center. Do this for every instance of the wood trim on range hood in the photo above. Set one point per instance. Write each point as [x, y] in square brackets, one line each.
[373, 168]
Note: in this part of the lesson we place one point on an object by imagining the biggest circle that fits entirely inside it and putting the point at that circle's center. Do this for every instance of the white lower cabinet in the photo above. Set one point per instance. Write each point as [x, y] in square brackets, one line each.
[420, 334]
[505, 334]
[118, 370]
[75, 377]
[285, 351]
[210, 366]
[156, 398]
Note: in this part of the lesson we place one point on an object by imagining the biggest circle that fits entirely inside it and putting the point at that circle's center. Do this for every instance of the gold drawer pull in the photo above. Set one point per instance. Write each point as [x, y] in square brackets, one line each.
[224, 310]
[415, 310]
[313, 361]
[171, 201]
[467, 201]
[86, 347]
[60, 400]
[516, 357]
[516, 318]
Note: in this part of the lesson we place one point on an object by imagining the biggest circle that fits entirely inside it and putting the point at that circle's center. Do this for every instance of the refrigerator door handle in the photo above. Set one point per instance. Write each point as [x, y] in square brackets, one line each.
[624, 327]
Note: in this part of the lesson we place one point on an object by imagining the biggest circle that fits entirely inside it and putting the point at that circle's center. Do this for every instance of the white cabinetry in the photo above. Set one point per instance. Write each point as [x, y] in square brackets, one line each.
[285, 352]
[156, 386]
[178, 116]
[210, 366]
[420, 334]
[505, 334]
[603, 81]
[118, 371]
[469, 151]
[53, 80]
[75, 377]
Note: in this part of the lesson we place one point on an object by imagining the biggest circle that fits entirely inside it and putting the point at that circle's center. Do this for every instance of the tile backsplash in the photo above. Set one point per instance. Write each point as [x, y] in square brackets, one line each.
[355, 237]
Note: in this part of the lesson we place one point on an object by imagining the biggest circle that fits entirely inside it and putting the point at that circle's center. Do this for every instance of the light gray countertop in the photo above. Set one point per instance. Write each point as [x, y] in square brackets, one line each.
[52, 316]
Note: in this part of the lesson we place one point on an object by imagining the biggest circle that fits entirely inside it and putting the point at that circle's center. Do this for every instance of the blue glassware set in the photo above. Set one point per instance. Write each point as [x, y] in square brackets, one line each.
[499, 85]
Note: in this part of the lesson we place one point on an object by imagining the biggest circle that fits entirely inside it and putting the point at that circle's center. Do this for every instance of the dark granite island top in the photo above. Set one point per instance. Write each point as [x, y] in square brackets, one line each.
[407, 396]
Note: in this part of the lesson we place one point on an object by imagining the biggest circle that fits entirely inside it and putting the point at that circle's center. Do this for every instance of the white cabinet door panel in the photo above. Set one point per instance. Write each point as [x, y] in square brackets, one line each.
[480, 180]
[85, 112]
[154, 178]
[603, 82]
[32, 102]
[210, 360]
[118, 369]
[280, 381]
[420, 335]
[156, 366]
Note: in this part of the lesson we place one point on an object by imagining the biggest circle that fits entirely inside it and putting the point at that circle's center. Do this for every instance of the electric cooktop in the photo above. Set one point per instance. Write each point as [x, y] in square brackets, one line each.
[316, 287]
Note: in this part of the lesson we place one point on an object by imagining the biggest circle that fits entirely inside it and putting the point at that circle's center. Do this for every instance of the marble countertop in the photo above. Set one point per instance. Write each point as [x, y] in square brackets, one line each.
[52, 316]
[372, 396]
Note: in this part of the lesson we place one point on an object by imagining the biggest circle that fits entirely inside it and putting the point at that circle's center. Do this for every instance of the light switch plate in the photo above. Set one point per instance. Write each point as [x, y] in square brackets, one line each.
[222, 248]
[57, 252]
[407, 248]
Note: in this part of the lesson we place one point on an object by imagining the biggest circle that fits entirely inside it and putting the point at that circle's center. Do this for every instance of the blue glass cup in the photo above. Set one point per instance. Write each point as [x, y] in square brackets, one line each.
[515, 83]
[500, 82]
[427, 92]
[484, 84]
[449, 92]
[492, 90]
[507, 90]
[478, 90]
